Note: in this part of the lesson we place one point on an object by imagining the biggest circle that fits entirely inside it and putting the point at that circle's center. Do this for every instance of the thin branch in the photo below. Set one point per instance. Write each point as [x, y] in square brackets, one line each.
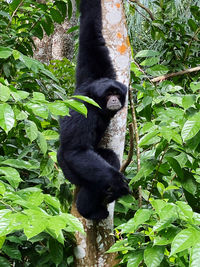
[132, 107]
[135, 62]
[144, 7]
[13, 14]
[130, 153]
[164, 77]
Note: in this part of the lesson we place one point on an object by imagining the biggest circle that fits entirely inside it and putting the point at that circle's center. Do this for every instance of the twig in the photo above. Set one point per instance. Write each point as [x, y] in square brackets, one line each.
[13, 14]
[130, 153]
[144, 7]
[164, 77]
[135, 62]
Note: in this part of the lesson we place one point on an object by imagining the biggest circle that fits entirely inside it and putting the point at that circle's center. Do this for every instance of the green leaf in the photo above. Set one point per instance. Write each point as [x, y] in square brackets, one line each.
[146, 169]
[14, 4]
[157, 70]
[69, 9]
[58, 108]
[38, 109]
[150, 61]
[146, 138]
[42, 143]
[50, 135]
[46, 167]
[168, 214]
[190, 128]
[31, 63]
[11, 175]
[56, 251]
[2, 240]
[195, 256]
[5, 52]
[6, 117]
[20, 164]
[176, 167]
[38, 96]
[120, 245]
[12, 252]
[153, 256]
[37, 222]
[140, 217]
[16, 54]
[4, 93]
[52, 201]
[76, 105]
[73, 222]
[56, 15]
[31, 130]
[87, 99]
[188, 101]
[2, 189]
[20, 95]
[186, 209]
[4, 262]
[193, 25]
[184, 240]
[135, 258]
[147, 53]
[195, 86]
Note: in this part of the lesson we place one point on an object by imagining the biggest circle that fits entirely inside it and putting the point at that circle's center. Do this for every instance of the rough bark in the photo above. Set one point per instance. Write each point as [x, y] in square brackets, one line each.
[59, 44]
[91, 248]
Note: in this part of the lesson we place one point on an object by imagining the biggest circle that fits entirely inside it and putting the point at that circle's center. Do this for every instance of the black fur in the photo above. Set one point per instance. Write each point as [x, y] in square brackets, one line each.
[95, 170]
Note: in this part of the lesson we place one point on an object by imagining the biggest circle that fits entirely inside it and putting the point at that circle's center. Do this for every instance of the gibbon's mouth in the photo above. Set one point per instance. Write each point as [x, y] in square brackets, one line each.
[113, 107]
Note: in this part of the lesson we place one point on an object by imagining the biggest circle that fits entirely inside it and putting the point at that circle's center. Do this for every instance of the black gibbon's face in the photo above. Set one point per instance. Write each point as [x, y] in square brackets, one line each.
[113, 102]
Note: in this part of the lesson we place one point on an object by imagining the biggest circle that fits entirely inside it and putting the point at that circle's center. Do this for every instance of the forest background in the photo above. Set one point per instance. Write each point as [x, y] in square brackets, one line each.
[159, 225]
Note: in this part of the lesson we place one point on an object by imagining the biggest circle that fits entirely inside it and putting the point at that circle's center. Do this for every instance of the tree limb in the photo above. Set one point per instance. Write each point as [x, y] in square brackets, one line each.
[144, 7]
[182, 72]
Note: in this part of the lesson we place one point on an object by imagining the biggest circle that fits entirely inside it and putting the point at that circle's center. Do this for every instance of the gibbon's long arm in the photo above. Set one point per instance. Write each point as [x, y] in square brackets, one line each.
[93, 59]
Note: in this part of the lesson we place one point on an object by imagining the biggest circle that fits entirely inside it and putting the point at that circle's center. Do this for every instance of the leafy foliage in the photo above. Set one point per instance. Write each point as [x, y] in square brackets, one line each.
[35, 228]
[163, 228]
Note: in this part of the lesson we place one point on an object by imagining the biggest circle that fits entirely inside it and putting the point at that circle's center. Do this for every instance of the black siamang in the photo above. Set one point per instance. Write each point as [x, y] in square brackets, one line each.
[95, 170]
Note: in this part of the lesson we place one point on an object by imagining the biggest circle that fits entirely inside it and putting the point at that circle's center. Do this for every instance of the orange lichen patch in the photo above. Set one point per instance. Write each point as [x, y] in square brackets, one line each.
[118, 5]
[122, 48]
[119, 35]
[127, 41]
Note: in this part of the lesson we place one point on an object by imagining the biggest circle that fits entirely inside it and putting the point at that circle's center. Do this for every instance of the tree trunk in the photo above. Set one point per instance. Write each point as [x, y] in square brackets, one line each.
[91, 248]
[59, 44]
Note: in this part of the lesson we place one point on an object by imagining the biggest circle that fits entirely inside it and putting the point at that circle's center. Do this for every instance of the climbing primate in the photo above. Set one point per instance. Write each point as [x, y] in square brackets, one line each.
[93, 169]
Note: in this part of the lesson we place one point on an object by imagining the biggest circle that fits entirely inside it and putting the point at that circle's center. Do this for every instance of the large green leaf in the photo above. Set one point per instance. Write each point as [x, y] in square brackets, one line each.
[4, 93]
[140, 217]
[7, 119]
[184, 240]
[190, 128]
[11, 175]
[195, 256]
[31, 130]
[5, 52]
[153, 256]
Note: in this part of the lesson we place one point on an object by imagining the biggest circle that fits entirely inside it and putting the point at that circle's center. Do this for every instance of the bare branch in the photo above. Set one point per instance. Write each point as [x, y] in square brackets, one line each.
[144, 7]
[132, 107]
[167, 76]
